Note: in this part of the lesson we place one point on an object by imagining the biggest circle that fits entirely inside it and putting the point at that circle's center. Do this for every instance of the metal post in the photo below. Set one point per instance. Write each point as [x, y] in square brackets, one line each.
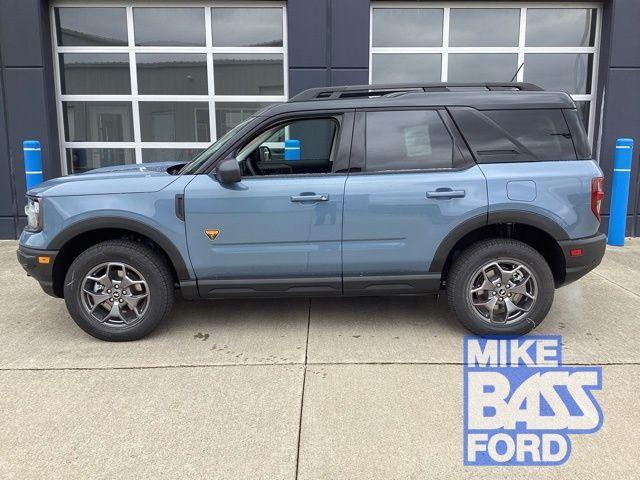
[32, 163]
[620, 191]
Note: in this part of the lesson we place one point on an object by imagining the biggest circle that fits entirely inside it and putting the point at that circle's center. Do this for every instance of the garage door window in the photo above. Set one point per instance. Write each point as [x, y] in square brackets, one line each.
[140, 83]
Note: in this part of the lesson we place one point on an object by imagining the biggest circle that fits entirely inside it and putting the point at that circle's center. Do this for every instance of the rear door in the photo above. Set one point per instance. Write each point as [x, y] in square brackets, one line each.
[416, 183]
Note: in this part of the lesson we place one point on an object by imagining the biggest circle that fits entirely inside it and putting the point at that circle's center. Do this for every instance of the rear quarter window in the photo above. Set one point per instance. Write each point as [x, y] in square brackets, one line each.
[543, 132]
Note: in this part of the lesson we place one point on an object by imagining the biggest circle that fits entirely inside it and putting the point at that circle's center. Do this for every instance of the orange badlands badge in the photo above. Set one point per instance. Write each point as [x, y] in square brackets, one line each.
[211, 233]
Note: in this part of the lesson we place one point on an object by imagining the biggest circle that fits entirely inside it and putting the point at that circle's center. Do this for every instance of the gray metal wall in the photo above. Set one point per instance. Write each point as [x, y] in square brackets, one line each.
[328, 45]
[619, 79]
[27, 101]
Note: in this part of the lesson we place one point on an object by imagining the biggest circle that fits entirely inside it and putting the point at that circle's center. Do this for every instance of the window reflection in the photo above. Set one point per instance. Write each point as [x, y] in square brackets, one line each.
[484, 27]
[169, 154]
[246, 27]
[561, 27]
[406, 67]
[169, 26]
[563, 72]
[174, 121]
[248, 74]
[484, 67]
[98, 121]
[172, 73]
[95, 73]
[230, 114]
[407, 27]
[83, 159]
[91, 26]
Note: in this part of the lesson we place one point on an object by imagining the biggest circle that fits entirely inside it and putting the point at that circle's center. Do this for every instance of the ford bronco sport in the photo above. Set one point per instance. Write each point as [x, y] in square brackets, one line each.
[485, 191]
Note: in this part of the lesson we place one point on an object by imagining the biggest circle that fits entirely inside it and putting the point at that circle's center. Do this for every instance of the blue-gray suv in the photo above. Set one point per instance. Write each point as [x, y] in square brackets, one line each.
[485, 191]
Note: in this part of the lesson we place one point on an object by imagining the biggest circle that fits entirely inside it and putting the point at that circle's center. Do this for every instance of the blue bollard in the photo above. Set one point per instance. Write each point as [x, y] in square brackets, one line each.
[32, 163]
[620, 191]
[292, 149]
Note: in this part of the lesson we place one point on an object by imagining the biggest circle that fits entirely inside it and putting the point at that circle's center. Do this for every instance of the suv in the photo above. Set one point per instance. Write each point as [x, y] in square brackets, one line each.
[485, 191]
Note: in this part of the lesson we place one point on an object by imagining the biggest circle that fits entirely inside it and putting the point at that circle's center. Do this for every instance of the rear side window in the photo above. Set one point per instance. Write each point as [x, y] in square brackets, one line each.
[407, 140]
[543, 132]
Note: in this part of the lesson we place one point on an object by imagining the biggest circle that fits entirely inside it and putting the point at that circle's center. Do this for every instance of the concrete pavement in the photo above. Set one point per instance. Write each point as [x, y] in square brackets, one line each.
[282, 389]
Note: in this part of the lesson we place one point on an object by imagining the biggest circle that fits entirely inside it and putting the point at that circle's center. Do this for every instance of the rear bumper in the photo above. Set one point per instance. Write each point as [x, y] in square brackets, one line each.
[42, 272]
[577, 266]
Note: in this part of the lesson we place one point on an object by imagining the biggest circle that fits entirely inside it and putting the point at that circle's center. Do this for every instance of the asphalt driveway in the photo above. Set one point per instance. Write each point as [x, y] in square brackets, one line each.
[348, 388]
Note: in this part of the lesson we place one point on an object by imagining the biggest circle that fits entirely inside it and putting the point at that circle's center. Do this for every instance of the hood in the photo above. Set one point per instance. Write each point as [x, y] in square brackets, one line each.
[132, 178]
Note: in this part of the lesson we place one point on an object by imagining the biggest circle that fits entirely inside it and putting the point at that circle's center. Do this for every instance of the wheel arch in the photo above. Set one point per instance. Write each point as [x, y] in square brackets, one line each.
[79, 236]
[533, 229]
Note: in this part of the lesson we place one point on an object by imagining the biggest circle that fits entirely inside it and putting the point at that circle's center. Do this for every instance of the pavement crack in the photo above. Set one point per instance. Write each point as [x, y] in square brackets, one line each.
[304, 381]
[616, 284]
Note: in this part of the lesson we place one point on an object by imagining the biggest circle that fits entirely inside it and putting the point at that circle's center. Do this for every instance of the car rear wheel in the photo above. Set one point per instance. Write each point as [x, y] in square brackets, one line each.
[500, 287]
[118, 290]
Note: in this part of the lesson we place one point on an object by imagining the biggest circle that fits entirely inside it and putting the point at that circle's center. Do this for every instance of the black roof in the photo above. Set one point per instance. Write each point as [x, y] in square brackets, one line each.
[482, 96]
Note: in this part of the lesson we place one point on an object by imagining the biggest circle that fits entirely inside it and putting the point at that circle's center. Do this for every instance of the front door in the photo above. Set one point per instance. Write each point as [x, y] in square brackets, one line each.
[415, 187]
[278, 230]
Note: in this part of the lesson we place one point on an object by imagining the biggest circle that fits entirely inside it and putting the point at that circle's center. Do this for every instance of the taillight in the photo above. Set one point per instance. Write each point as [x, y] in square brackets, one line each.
[597, 194]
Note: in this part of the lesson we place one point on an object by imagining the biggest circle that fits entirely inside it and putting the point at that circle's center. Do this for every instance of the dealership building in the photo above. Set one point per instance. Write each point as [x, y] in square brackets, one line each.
[117, 82]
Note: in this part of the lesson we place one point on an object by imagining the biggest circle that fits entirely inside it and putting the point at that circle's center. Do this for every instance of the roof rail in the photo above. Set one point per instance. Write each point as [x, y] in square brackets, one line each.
[355, 91]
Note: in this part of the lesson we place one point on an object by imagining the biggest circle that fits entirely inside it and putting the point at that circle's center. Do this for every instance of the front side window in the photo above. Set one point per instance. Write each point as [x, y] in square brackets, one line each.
[407, 140]
[295, 148]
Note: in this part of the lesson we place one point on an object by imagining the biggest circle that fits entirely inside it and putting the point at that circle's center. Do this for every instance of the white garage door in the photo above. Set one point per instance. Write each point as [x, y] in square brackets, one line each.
[141, 81]
[550, 44]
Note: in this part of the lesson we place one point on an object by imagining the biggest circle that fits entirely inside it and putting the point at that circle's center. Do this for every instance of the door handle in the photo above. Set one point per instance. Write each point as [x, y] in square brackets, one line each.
[446, 193]
[310, 197]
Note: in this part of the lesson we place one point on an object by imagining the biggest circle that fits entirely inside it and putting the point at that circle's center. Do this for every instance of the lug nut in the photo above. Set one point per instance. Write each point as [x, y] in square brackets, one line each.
[108, 291]
[498, 285]
[117, 286]
[121, 300]
[508, 295]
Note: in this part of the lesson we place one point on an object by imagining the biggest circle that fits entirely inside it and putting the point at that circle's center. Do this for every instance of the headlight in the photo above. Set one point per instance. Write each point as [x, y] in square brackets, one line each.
[34, 214]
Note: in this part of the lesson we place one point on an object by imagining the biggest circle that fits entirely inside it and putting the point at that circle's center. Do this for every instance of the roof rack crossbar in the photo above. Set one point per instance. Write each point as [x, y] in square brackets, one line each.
[354, 91]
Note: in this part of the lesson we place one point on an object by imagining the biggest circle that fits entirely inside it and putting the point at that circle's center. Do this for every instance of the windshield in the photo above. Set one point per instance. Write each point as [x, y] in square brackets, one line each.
[203, 156]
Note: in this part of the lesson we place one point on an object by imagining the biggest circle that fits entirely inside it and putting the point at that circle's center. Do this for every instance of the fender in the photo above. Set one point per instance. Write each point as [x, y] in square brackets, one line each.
[97, 223]
[494, 218]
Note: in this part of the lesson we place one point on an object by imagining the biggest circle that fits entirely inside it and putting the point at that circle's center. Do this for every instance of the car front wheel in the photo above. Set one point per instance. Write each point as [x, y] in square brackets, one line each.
[118, 290]
[500, 287]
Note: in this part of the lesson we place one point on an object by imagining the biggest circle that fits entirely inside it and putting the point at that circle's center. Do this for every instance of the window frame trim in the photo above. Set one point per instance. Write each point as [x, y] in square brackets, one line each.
[134, 97]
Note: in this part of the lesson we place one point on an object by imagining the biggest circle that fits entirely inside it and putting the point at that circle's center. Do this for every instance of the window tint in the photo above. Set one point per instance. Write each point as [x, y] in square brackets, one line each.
[299, 147]
[407, 140]
[543, 132]
[407, 27]
[247, 27]
[91, 26]
[578, 133]
[179, 27]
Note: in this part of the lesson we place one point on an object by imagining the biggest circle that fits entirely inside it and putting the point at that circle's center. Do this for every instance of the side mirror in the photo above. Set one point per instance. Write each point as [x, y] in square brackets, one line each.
[228, 171]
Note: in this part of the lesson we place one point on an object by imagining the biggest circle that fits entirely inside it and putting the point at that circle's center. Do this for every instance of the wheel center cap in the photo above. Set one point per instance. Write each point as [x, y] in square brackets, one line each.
[502, 292]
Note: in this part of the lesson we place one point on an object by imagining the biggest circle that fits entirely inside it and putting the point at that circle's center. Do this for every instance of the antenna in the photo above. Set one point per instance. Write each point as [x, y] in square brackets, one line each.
[517, 71]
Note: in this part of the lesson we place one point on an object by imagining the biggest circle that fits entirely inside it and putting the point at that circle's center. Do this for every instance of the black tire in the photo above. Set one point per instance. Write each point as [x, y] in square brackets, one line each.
[148, 263]
[463, 271]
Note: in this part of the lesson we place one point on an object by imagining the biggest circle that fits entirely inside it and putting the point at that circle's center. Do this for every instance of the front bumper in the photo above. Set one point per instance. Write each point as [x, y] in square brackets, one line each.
[577, 266]
[31, 261]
